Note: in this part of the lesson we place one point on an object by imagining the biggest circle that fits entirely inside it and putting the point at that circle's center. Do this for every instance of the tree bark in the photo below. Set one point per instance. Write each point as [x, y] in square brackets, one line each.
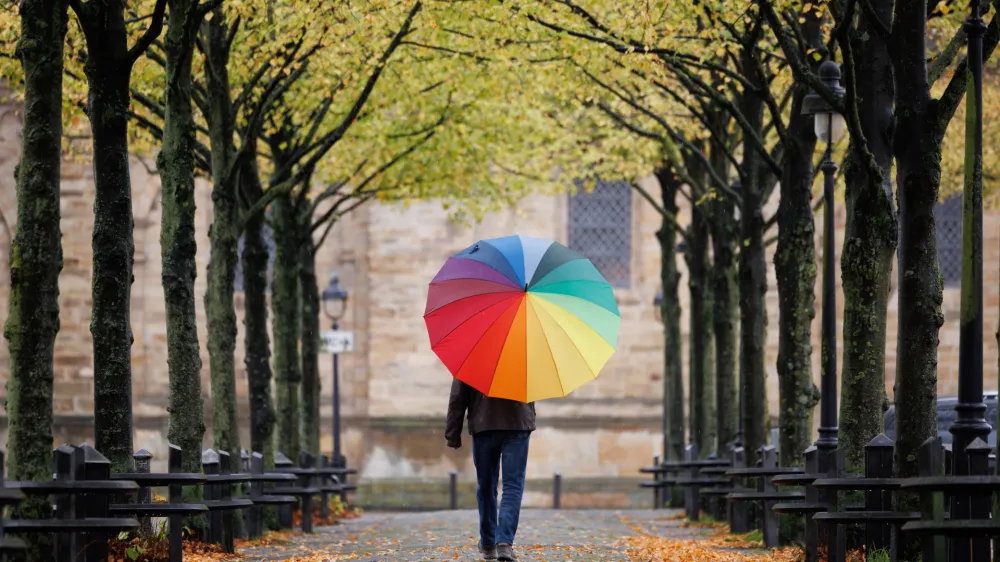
[702, 376]
[219, 307]
[108, 70]
[36, 257]
[795, 271]
[177, 241]
[752, 279]
[918, 174]
[869, 244]
[257, 341]
[310, 339]
[725, 301]
[286, 324]
[670, 313]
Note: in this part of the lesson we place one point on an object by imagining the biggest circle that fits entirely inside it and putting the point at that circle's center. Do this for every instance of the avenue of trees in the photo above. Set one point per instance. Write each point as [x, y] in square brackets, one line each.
[296, 113]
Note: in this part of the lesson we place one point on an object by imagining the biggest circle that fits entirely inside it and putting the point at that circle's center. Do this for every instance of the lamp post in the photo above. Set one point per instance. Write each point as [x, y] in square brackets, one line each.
[829, 127]
[970, 422]
[334, 305]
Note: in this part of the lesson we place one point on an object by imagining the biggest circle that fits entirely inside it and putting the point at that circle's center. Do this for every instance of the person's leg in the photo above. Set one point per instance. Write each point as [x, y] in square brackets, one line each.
[514, 460]
[486, 457]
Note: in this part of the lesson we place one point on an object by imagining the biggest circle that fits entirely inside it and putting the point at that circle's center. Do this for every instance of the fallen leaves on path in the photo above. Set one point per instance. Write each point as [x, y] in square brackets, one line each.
[656, 549]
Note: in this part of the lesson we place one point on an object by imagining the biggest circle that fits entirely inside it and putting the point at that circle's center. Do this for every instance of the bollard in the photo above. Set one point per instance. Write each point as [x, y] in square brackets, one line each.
[556, 490]
[811, 531]
[255, 520]
[306, 460]
[878, 464]
[242, 530]
[453, 489]
[142, 458]
[176, 494]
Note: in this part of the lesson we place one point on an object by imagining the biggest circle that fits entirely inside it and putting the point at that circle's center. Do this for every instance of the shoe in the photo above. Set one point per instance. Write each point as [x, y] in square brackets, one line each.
[488, 553]
[505, 552]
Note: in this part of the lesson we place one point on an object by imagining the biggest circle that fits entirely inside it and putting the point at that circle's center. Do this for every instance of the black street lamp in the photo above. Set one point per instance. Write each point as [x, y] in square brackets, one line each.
[334, 305]
[970, 422]
[829, 126]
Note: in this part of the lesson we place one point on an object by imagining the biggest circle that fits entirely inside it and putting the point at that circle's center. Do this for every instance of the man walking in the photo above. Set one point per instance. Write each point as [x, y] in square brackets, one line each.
[500, 432]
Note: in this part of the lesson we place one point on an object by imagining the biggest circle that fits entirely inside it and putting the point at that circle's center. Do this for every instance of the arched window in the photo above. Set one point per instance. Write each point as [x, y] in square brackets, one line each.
[948, 222]
[600, 227]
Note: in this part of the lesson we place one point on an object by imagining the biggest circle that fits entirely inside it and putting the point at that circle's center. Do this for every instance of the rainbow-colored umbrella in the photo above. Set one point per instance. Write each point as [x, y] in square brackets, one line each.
[522, 318]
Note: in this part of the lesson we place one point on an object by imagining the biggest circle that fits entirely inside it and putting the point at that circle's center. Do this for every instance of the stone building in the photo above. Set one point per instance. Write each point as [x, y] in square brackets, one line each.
[394, 388]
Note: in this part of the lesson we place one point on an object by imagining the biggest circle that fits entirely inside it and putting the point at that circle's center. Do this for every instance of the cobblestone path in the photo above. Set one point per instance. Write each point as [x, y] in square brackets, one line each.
[543, 535]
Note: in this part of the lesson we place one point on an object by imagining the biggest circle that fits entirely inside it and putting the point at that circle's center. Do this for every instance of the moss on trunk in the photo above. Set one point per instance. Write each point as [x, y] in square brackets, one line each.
[286, 324]
[219, 308]
[177, 241]
[670, 313]
[108, 70]
[869, 244]
[36, 257]
[310, 342]
[795, 272]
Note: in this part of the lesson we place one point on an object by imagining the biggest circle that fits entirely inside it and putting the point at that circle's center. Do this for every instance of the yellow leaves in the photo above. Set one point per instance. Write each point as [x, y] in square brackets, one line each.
[656, 549]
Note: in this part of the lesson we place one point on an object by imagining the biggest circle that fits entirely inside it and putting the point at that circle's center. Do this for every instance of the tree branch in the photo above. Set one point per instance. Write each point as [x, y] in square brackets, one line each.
[150, 35]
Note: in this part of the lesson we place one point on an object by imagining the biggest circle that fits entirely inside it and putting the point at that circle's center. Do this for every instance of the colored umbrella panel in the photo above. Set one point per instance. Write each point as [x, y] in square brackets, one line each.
[522, 318]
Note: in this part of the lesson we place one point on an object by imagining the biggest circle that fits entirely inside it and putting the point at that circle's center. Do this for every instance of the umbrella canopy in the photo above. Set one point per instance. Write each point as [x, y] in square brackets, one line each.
[522, 318]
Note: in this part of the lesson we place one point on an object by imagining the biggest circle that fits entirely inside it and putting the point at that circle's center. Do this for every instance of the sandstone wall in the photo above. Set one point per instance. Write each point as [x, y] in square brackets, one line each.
[394, 388]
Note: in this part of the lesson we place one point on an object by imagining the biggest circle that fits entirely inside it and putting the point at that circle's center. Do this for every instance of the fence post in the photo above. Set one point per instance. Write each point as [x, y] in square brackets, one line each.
[224, 491]
[738, 519]
[769, 459]
[691, 505]
[878, 464]
[811, 531]
[324, 496]
[305, 480]
[282, 462]
[255, 518]
[210, 466]
[176, 493]
[141, 460]
[556, 491]
[979, 505]
[930, 463]
[656, 478]
[453, 490]
[95, 467]
[66, 462]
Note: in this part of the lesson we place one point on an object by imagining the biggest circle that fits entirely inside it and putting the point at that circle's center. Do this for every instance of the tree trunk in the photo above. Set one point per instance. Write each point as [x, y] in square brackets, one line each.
[753, 281]
[703, 430]
[725, 313]
[36, 257]
[108, 70]
[310, 341]
[918, 172]
[223, 235]
[285, 303]
[257, 341]
[177, 241]
[869, 243]
[670, 313]
[795, 270]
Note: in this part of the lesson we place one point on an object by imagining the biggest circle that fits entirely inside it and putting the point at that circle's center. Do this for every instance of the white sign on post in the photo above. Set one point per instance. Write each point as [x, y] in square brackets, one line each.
[337, 341]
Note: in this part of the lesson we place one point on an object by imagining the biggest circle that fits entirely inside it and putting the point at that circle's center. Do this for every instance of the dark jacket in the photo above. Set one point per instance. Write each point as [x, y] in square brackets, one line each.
[485, 414]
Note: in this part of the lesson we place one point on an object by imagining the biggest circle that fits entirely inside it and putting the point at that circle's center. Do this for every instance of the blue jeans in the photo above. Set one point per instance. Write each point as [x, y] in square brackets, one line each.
[492, 450]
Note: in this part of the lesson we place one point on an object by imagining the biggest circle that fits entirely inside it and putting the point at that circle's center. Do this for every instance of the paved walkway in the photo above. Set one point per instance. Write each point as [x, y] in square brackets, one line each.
[543, 535]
